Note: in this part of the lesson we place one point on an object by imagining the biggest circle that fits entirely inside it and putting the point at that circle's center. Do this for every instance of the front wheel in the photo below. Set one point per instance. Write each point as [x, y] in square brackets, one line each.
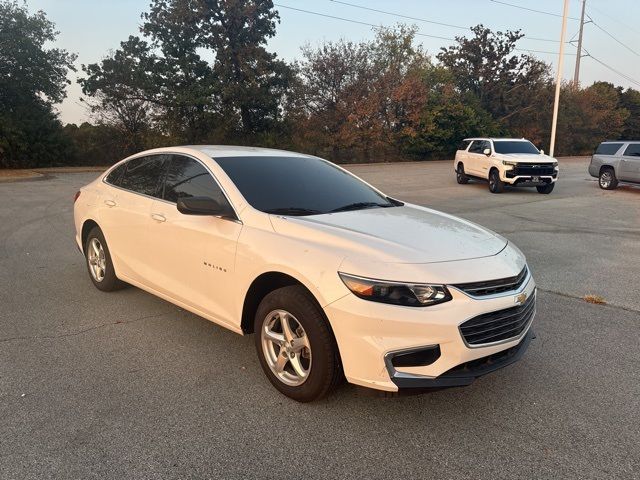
[461, 177]
[495, 184]
[295, 346]
[548, 188]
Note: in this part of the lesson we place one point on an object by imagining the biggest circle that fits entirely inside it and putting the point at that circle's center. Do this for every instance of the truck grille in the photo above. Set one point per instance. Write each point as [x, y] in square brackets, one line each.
[491, 287]
[532, 169]
[498, 326]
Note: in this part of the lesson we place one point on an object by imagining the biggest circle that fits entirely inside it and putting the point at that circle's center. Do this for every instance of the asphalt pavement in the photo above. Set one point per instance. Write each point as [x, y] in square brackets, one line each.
[125, 385]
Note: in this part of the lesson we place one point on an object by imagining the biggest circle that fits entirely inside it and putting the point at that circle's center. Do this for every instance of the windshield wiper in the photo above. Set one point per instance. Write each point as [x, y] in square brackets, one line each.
[296, 211]
[359, 206]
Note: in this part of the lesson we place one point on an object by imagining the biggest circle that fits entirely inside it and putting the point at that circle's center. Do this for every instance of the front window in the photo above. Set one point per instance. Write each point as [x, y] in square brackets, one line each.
[515, 146]
[299, 185]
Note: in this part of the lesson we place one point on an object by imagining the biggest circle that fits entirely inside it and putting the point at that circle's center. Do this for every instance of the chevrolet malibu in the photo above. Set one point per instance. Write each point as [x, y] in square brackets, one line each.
[334, 278]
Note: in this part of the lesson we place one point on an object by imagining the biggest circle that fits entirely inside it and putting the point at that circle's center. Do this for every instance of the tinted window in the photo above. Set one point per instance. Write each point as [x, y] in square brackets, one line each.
[476, 146]
[115, 176]
[514, 146]
[608, 148]
[298, 185]
[633, 150]
[463, 145]
[187, 177]
[143, 175]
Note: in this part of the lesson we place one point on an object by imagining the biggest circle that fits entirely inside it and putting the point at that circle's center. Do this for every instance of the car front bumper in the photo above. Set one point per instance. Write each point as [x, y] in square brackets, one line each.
[369, 334]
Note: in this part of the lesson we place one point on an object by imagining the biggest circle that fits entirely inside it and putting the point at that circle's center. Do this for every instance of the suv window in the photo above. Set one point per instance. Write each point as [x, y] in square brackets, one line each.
[608, 148]
[477, 146]
[633, 150]
[463, 145]
[143, 175]
[115, 175]
[186, 177]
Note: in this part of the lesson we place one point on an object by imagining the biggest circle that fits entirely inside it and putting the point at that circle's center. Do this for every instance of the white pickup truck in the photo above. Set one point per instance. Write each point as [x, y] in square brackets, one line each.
[506, 161]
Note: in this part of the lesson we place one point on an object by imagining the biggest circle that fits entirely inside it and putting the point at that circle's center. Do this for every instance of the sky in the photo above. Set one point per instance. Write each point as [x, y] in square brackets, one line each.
[93, 28]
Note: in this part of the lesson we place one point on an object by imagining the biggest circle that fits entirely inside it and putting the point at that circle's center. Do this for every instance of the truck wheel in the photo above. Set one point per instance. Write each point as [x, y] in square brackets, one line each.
[607, 179]
[461, 178]
[548, 188]
[495, 184]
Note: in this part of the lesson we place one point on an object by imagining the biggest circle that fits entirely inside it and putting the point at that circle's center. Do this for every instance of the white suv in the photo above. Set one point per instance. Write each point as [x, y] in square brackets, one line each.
[506, 161]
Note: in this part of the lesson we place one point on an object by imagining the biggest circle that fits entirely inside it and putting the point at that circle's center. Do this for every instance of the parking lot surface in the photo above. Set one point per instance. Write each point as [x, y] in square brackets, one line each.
[125, 385]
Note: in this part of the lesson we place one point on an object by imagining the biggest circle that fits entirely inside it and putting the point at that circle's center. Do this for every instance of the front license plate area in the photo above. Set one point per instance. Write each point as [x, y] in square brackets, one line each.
[535, 179]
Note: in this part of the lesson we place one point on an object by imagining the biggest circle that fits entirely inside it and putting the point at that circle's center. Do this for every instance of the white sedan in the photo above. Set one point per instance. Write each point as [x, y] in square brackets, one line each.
[334, 277]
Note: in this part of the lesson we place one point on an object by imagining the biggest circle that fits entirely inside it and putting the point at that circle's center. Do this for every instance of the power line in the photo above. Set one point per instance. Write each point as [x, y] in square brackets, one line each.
[334, 17]
[591, 7]
[614, 38]
[395, 14]
[531, 9]
[354, 21]
[609, 67]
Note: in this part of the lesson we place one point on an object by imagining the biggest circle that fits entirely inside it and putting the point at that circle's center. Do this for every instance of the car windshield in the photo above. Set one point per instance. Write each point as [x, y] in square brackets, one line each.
[514, 146]
[299, 185]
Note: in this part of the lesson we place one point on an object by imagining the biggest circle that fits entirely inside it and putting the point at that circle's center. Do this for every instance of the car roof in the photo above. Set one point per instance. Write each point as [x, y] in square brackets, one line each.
[496, 139]
[620, 141]
[220, 151]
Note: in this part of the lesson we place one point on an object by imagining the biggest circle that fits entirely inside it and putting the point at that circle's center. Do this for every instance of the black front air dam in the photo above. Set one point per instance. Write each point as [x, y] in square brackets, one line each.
[466, 373]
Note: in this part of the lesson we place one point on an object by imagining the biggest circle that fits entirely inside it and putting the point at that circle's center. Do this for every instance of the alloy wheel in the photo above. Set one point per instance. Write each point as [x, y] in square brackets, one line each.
[605, 179]
[97, 260]
[286, 347]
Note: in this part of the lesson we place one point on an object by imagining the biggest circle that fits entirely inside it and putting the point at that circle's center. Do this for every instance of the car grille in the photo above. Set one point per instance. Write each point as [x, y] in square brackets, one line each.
[491, 287]
[532, 169]
[498, 326]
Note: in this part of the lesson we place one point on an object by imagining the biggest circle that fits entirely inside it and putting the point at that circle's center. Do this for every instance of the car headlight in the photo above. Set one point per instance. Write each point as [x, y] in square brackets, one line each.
[396, 293]
[509, 162]
[555, 165]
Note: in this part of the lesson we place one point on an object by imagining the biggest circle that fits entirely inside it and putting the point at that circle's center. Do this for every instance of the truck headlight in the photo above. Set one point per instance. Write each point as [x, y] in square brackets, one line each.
[509, 162]
[396, 293]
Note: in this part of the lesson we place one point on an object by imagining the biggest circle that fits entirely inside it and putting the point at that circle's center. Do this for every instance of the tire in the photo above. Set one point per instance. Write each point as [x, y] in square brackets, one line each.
[607, 179]
[461, 178]
[546, 189]
[97, 257]
[313, 349]
[495, 184]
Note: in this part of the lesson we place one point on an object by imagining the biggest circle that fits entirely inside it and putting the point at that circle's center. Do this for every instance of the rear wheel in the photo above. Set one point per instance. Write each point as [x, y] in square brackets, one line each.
[461, 178]
[99, 262]
[495, 184]
[548, 188]
[295, 346]
[607, 179]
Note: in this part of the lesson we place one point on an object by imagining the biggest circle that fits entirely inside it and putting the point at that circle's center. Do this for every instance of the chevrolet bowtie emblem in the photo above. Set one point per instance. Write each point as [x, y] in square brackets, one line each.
[520, 299]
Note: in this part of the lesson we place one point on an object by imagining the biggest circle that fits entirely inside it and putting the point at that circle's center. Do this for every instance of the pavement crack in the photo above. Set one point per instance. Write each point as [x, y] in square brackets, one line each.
[79, 332]
[576, 297]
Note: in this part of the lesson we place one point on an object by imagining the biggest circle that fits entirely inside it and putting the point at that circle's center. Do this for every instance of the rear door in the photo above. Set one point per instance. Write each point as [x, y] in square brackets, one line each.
[193, 255]
[630, 163]
[473, 158]
[124, 213]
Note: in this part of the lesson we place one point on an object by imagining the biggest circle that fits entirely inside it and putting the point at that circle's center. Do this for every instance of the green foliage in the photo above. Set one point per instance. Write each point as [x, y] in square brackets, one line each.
[32, 79]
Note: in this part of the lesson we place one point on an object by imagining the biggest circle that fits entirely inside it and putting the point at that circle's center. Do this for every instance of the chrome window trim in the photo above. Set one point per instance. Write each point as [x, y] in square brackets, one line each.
[224, 192]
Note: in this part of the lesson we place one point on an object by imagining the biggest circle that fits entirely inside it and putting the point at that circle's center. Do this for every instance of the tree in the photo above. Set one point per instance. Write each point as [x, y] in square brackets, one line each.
[512, 88]
[630, 101]
[32, 79]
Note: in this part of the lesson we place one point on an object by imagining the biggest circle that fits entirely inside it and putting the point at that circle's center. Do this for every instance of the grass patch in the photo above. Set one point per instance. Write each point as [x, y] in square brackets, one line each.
[595, 299]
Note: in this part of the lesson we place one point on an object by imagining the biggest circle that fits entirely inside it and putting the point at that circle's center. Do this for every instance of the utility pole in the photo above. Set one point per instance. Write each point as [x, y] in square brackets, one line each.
[556, 101]
[576, 75]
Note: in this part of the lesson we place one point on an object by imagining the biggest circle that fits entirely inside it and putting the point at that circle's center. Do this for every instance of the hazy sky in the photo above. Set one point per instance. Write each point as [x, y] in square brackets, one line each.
[91, 28]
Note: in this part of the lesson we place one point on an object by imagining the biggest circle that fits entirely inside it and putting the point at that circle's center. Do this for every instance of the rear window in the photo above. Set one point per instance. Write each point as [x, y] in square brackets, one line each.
[633, 150]
[143, 175]
[115, 175]
[608, 148]
[463, 145]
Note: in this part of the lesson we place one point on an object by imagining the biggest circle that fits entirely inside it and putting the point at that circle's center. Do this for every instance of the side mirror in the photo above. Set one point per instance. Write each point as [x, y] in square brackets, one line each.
[204, 206]
[541, 152]
[487, 151]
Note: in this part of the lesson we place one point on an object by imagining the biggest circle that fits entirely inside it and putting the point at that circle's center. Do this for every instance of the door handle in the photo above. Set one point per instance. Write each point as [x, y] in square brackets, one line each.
[110, 203]
[158, 217]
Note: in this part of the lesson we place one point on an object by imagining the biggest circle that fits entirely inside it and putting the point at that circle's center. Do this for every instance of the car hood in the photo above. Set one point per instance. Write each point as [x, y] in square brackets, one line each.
[404, 234]
[525, 157]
